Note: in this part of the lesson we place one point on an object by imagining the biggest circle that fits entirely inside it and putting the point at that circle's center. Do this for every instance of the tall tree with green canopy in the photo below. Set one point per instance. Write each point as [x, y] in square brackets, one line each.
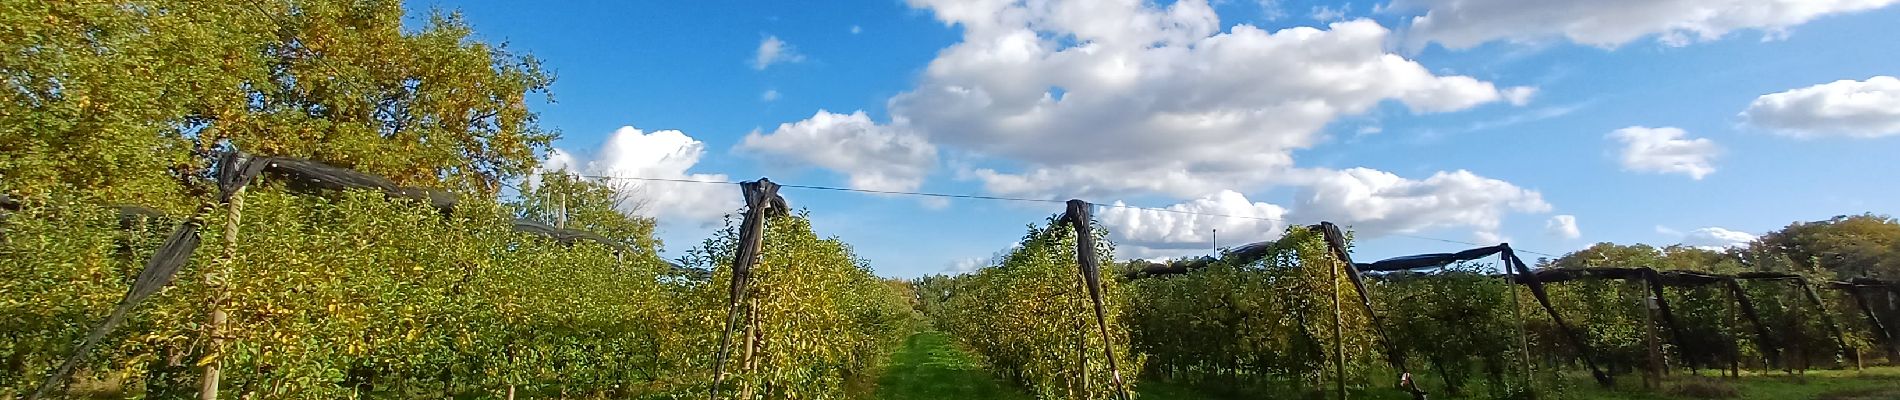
[122, 97]
[1848, 245]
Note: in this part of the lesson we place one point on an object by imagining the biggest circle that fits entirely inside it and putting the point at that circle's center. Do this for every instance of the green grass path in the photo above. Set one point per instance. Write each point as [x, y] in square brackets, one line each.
[931, 367]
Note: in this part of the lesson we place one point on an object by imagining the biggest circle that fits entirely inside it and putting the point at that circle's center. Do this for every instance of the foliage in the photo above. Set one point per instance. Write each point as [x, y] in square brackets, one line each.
[1031, 321]
[820, 317]
[592, 205]
[123, 97]
[362, 294]
[1850, 246]
[1457, 322]
[1265, 322]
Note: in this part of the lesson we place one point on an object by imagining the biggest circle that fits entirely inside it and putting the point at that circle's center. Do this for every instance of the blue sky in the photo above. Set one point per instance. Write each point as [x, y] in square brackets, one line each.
[1656, 121]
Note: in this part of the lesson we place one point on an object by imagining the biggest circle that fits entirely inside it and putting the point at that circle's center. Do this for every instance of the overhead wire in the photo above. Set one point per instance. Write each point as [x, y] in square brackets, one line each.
[1028, 200]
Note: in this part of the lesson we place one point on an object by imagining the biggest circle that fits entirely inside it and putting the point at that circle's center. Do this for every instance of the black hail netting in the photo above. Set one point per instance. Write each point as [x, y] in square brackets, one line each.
[1859, 289]
[762, 202]
[236, 170]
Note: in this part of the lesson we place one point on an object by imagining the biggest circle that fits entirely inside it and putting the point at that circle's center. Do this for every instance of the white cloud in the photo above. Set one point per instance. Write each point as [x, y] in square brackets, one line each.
[1717, 238]
[1376, 202]
[876, 157]
[558, 161]
[769, 95]
[966, 265]
[1665, 150]
[1489, 237]
[774, 51]
[1330, 14]
[856, 29]
[1461, 24]
[1520, 95]
[1165, 101]
[667, 154]
[1857, 109]
[1271, 9]
[1153, 233]
[1563, 226]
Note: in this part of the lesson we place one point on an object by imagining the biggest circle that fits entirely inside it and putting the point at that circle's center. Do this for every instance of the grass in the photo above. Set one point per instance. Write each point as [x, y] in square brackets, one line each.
[931, 367]
[1871, 383]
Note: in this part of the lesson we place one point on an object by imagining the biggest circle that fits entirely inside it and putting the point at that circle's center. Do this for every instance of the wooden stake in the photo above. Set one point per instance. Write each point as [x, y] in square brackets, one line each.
[1517, 312]
[761, 198]
[1091, 268]
[1652, 377]
[218, 284]
[1339, 339]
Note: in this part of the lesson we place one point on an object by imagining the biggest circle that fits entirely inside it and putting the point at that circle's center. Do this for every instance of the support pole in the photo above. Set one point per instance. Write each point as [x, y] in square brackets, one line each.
[1661, 304]
[1763, 340]
[1652, 375]
[1820, 309]
[1085, 257]
[1886, 338]
[218, 283]
[1543, 298]
[234, 171]
[761, 198]
[1517, 313]
[1339, 339]
[1336, 241]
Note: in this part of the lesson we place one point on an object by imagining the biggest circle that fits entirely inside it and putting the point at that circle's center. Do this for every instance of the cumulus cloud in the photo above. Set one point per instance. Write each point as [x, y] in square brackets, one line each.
[1857, 109]
[1176, 230]
[1166, 102]
[1376, 202]
[769, 95]
[667, 154]
[1461, 24]
[1717, 238]
[876, 157]
[1666, 150]
[774, 51]
[1563, 226]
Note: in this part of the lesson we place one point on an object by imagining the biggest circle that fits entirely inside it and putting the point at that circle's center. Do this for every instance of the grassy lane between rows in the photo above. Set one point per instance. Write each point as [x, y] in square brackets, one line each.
[1870, 384]
[930, 367]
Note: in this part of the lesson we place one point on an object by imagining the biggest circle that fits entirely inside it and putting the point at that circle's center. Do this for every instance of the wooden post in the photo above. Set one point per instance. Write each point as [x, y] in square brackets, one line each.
[218, 284]
[1091, 269]
[1873, 321]
[1537, 290]
[1517, 312]
[1339, 337]
[1652, 376]
[1336, 242]
[1081, 336]
[761, 197]
[1820, 309]
[750, 361]
[1797, 349]
[1764, 341]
